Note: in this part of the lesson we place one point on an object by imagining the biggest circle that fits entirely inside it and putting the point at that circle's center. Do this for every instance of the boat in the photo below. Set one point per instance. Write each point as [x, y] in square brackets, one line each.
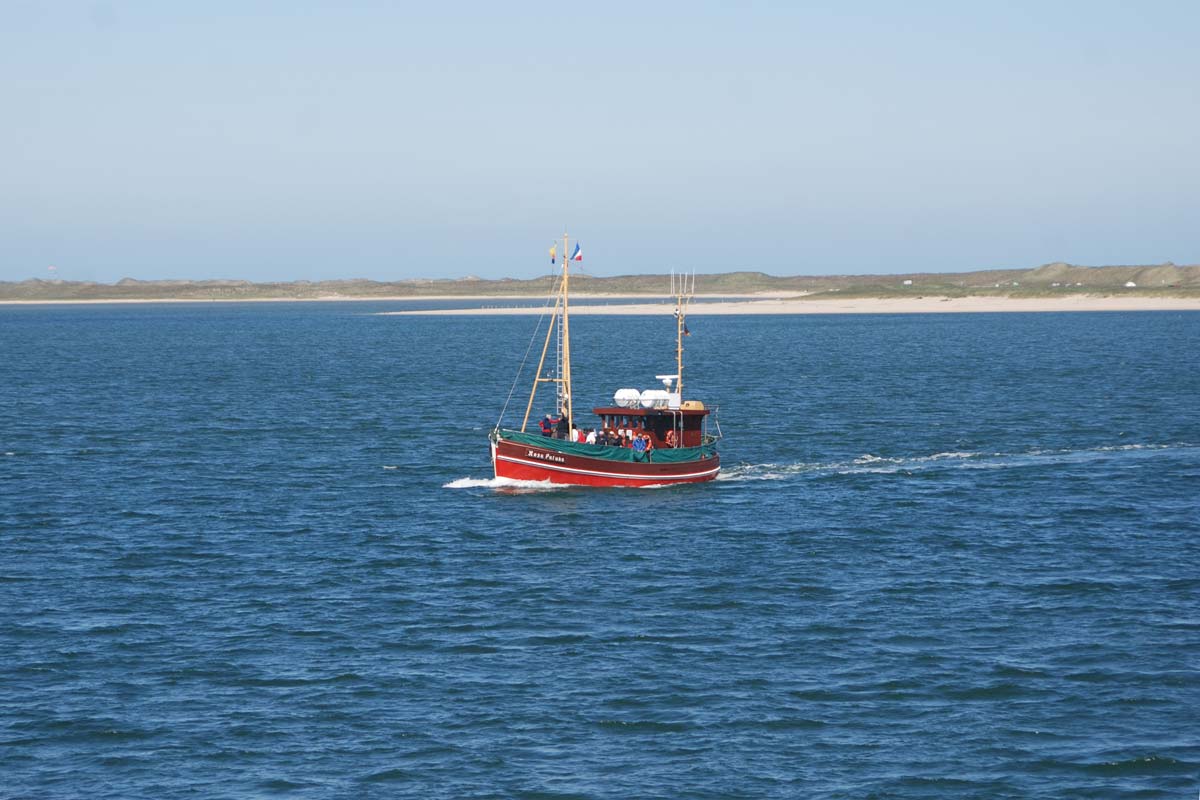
[642, 438]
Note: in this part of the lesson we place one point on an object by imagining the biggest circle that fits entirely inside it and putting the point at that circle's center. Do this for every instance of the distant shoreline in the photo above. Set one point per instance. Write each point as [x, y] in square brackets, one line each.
[859, 305]
[728, 304]
[395, 298]
[1056, 282]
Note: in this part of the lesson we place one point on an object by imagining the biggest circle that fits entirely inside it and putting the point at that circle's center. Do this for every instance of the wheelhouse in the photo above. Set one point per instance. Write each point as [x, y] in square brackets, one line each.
[667, 427]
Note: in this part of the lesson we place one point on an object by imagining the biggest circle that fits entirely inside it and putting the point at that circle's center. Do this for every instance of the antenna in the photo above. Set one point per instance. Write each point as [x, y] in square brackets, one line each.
[683, 290]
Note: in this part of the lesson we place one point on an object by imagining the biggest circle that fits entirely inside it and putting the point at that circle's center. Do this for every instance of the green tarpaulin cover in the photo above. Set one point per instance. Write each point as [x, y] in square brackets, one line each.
[658, 456]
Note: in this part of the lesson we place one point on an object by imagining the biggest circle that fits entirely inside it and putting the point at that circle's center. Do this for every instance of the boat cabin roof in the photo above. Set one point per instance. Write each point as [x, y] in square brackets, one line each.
[618, 411]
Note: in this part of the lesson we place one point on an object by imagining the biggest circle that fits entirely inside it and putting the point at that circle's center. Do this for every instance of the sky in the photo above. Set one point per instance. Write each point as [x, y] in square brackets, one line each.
[391, 140]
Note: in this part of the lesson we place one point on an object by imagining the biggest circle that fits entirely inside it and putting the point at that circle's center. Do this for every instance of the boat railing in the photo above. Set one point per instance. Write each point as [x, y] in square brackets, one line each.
[715, 417]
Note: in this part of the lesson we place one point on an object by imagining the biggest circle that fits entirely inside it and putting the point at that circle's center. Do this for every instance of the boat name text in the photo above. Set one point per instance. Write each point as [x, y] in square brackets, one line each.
[545, 456]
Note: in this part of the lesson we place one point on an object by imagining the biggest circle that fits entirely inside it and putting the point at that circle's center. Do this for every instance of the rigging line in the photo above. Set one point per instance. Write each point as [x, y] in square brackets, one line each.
[525, 358]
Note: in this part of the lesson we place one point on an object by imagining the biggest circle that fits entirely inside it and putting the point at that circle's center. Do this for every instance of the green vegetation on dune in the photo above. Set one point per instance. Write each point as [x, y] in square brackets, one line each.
[1049, 280]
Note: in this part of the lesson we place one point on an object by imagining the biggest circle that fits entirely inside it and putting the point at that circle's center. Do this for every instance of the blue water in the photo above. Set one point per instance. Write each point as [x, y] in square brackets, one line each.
[253, 551]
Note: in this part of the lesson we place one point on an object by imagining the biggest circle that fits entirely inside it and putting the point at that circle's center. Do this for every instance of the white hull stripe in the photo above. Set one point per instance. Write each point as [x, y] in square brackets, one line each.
[652, 478]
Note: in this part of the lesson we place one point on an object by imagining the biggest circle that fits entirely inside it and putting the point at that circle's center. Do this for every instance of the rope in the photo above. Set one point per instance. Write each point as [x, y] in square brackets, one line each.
[525, 358]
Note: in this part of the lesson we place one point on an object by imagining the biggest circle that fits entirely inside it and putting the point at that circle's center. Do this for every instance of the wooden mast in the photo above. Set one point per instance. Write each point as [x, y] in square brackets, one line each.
[563, 379]
[566, 336]
[681, 303]
[678, 339]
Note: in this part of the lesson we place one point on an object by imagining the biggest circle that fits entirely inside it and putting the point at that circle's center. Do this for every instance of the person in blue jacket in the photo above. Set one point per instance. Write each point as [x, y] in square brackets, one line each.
[639, 448]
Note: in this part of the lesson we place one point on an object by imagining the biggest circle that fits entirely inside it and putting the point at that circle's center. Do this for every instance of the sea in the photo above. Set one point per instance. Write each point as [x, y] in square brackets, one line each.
[255, 550]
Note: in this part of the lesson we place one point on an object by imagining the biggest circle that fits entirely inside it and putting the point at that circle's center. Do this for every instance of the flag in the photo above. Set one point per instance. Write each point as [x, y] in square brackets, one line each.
[686, 332]
[578, 254]
[553, 251]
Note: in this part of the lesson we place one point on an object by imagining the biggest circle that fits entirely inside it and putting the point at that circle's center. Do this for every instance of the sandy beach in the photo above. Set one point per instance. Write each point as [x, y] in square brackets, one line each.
[321, 299]
[763, 303]
[865, 305]
[335, 298]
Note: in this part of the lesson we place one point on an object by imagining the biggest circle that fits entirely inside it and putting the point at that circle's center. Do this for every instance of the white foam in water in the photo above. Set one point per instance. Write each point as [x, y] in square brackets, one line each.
[532, 486]
[948, 455]
[878, 465]
[870, 459]
[764, 472]
[1119, 447]
[503, 483]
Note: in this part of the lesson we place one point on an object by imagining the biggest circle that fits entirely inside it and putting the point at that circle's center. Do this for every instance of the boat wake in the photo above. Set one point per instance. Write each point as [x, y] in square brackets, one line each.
[867, 464]
[881, 465]
[765, 472]
[505, 484]
[520, 487]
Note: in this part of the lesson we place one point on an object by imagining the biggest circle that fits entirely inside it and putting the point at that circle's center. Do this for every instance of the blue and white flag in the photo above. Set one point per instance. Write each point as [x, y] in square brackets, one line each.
[578, 254]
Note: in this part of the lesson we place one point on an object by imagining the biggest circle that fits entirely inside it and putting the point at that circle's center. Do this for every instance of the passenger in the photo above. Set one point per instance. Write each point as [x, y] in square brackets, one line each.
[563, 429]
[547, 426]
[639, 448]
[670, 439]
[649, 445]
[591, 436]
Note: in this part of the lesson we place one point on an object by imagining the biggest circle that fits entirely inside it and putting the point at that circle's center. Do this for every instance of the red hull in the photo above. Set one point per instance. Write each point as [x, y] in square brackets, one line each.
[530, 463]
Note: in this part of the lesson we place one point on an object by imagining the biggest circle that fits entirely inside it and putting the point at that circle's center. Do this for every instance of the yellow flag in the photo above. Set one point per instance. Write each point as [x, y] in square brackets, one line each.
[553, 250]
